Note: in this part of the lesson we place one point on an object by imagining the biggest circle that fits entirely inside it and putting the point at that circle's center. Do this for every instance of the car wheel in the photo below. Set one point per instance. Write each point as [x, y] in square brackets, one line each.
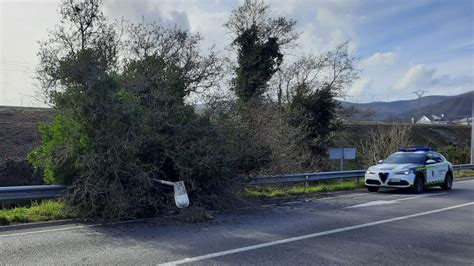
[448, 182]
[418, 185]
[372, 189]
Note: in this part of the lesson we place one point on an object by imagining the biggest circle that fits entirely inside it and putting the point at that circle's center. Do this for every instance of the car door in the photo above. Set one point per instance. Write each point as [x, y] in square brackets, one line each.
[432, 169]
[442, 166]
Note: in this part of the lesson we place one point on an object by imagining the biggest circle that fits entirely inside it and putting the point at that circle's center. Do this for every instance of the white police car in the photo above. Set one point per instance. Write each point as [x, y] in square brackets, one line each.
[411, 167]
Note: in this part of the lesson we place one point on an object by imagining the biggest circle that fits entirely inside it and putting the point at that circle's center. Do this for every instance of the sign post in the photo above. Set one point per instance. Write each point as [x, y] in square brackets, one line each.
[342, 154]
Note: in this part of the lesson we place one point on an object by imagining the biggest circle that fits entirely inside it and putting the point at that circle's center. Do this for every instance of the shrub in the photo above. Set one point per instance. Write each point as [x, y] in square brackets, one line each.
[455, 154]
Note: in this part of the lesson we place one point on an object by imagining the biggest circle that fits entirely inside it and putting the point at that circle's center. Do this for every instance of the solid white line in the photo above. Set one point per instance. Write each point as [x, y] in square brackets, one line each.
[70, 227]
[464, 181]
[314, 235]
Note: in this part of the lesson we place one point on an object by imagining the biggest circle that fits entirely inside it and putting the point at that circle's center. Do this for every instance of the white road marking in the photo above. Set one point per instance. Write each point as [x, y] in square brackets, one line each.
[70, 228]
[385, 202]
[465, 181]
[372, 203]
[303, 237]
[422, 196]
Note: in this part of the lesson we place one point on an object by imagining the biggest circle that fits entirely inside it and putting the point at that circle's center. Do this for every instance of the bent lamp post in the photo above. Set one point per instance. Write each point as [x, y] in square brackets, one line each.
[181, 198]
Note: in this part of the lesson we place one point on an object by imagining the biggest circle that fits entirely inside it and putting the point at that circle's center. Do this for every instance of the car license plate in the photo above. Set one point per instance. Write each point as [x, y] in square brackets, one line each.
[396, 180]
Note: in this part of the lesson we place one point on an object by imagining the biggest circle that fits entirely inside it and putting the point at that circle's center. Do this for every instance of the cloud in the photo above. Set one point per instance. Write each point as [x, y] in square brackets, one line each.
[417, 76]
[146, 10]
[322, 24]
[359, 86]
[425, 77]
[379, 59]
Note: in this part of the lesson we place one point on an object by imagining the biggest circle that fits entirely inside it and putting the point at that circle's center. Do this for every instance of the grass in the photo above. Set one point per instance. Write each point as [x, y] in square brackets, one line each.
[37, 212]
[299, 189]
[464, 173]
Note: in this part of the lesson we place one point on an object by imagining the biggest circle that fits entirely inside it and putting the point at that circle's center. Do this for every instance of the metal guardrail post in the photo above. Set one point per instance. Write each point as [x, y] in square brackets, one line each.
[306, 184]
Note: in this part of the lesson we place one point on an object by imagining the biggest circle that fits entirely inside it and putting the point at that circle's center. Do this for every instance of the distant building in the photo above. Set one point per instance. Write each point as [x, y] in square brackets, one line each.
[432, 119]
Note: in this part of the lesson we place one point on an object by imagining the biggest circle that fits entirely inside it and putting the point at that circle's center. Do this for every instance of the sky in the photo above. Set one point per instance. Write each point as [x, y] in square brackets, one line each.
[403, 45]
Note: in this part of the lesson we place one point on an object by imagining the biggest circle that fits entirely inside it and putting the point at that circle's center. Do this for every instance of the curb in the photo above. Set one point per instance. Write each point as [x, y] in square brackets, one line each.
[37, 224]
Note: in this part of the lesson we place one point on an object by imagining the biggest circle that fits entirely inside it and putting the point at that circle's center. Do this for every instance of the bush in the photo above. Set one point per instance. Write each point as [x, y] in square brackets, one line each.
[455, 154]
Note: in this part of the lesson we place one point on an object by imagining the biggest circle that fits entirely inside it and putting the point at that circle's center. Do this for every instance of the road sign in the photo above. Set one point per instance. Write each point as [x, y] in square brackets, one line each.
[337, 153]
[342, 154]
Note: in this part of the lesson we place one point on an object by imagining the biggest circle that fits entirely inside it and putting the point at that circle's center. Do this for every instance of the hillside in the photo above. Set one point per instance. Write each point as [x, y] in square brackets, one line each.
[454, 107]
[384, 110]
[18, 135]
[435, 136]
[19, 129]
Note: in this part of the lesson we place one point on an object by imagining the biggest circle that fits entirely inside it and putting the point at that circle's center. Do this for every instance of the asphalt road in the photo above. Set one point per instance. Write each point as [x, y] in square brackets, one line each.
[389, 227]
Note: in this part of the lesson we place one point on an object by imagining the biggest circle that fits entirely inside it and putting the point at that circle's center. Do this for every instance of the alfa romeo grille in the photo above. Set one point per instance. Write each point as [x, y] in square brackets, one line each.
[383, 177]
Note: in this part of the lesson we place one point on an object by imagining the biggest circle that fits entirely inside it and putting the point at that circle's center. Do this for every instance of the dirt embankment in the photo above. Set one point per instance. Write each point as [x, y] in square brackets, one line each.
[435, 136]
[19, 134]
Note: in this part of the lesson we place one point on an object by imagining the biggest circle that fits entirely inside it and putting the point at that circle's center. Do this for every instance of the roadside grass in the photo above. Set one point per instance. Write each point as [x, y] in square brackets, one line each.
[38, 212]
[299, 188]
[463, 173]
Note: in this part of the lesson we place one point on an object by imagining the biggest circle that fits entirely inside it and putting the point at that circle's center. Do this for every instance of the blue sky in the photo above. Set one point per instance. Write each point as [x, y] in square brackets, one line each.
[403, 45]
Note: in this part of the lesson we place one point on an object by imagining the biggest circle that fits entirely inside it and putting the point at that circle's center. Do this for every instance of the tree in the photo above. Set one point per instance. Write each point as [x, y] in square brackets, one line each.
[307, 89]
[316, 113]
[334, 69]
[122, 121]
[383, 141]
[259, 40]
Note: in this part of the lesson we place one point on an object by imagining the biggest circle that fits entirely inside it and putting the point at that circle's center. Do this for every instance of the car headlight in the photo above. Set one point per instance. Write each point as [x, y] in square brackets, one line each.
[369, 172]
[403, 172]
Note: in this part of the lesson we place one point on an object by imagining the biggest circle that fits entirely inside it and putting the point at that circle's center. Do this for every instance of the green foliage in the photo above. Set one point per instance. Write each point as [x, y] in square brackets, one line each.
[259, 39]
[282, 191]
[44, 211]
[316, 113]
[455, 154]
[61, 145]
[257, 62]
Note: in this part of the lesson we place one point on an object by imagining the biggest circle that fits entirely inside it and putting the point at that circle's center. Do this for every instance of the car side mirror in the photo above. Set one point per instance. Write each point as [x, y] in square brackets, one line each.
[430, 161]
[380, 161]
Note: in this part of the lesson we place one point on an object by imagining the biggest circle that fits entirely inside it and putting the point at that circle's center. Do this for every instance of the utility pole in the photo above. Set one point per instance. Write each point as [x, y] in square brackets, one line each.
[419, 93]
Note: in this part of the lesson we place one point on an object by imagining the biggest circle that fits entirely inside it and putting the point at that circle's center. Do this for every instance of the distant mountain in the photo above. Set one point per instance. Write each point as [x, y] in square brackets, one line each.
[453, 107]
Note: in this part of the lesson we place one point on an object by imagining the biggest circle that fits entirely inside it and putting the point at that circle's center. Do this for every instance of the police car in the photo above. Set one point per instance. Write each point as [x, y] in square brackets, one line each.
[411, 167]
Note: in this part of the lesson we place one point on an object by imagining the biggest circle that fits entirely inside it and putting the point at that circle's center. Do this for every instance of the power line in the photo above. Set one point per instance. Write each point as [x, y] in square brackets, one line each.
[16, 64]
[17, 70]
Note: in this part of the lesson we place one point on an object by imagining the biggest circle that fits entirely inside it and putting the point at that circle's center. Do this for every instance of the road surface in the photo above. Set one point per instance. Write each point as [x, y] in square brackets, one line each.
[389, 227]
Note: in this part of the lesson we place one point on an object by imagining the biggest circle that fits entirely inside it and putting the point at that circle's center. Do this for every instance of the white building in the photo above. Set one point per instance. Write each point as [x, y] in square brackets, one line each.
[432, 119]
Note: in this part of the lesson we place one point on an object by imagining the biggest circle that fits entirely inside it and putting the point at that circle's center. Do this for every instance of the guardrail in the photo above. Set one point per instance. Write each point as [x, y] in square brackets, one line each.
[463, 166]
[282, 179]
[55, 191]
[31, 192]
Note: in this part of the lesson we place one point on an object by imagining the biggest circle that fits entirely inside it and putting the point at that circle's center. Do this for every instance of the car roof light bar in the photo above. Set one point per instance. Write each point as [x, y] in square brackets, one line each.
[419, 148]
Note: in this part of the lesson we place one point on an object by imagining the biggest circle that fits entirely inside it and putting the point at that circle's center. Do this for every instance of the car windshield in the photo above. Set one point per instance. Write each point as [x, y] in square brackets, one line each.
[406, 157]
